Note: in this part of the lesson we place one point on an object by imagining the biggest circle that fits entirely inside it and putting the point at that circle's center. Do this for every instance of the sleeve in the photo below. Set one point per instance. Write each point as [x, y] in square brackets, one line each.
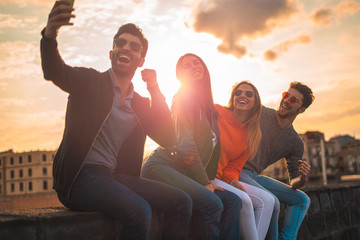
[162, 128]
[54, 68]
[234, 167]
[185, 124]
[293, 157]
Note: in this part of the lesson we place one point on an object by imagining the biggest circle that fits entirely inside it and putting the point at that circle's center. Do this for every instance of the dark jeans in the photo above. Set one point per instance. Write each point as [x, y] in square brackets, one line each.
[215, 216]
[130, 200]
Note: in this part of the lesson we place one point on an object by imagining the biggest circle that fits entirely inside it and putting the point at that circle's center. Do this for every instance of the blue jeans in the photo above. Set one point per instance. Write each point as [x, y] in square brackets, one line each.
[215, 216]
[298, 203]
[131, 200]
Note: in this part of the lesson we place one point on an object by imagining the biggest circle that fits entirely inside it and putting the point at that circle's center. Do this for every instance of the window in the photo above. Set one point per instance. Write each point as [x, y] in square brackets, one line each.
[12, 174]
[11, 161]
[44, 171]
[45, 185]
[44, 157]
[0, 175]
[0, 189]
[21, 173]
[29, 172]
[0, 161]
[21, 187]
[30, 186]
[29, 158]
[12, 187]
[20, 159]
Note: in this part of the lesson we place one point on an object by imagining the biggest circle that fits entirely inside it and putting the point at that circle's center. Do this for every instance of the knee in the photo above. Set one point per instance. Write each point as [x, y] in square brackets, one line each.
[184, 203]
[141, 216]
[246, 202]
[233, 202]
[276, 205]
[214, 204]
[305, 200]
[269, 201]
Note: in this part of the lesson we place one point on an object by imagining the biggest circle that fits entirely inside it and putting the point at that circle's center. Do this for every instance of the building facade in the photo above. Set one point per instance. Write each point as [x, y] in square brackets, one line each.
[314, 144]
[349, 157]
[25, 173]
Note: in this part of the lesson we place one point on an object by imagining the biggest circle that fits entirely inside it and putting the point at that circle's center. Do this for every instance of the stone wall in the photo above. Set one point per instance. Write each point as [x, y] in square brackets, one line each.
[334, 213]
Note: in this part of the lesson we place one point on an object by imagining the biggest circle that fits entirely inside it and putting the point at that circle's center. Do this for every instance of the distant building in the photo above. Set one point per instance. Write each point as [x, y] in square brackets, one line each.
[340, 141]
[312, 152]
[25, 173]
[349, 157]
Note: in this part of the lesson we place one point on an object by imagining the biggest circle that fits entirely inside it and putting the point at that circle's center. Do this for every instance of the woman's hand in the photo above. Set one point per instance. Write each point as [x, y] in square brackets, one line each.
[212, 187]
[237, 184]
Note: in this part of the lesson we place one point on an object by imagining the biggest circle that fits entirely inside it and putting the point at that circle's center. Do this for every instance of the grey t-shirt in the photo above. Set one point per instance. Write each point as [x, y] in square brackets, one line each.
[276, 143]
[116, 129]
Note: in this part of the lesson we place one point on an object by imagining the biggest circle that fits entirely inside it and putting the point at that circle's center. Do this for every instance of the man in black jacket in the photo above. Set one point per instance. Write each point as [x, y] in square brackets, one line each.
[98, 163]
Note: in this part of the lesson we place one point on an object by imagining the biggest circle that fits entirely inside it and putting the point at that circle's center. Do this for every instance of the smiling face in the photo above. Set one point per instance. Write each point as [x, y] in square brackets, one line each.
[242, 100]
[125, 59]
[192, 69]
[288, 108]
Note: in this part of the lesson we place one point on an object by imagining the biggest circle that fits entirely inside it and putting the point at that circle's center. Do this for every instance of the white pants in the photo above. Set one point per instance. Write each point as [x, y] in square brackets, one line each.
[256, 211]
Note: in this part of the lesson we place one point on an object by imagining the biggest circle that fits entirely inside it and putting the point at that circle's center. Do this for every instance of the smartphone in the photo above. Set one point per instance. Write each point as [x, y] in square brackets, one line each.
[71, 2]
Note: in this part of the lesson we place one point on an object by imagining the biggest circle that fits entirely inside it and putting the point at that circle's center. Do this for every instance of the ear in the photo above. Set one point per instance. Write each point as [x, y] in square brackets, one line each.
[141, 62]
[110, 53]
[301, 110]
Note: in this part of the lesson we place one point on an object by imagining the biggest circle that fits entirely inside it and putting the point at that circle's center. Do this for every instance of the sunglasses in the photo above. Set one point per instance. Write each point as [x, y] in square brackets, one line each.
[135, 46]
[238, 93]
[291, 99]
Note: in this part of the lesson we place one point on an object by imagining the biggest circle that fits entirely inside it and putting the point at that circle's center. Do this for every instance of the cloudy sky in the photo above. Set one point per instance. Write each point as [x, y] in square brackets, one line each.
[269, 42]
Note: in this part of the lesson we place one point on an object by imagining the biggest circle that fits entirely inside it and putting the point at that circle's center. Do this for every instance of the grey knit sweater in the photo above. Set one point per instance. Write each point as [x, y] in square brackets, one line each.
[276, 143]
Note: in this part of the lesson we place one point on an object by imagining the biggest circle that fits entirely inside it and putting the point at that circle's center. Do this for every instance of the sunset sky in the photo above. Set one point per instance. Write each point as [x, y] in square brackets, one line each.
[269, 42]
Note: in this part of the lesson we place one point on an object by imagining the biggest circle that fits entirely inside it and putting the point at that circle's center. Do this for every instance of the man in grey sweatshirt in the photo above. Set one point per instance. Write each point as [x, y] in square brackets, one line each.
[280, 140]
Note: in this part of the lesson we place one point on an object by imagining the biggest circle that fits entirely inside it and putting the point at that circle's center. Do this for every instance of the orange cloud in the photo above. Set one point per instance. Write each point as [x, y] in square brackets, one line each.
[329, 15]
[272, 54]
[237, 50]
[302, 39]
[234, 21]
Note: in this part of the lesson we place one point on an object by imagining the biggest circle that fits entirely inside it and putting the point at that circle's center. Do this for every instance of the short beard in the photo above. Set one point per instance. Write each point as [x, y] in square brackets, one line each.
[287, 115]
[125, 73]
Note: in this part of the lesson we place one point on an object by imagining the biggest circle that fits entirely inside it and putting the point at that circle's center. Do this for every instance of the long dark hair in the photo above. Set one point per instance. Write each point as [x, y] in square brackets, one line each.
[198, 94]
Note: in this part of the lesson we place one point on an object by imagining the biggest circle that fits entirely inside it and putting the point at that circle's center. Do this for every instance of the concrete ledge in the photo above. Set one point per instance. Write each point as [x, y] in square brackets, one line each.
[57, 224]
[334, 213]
[60, 223]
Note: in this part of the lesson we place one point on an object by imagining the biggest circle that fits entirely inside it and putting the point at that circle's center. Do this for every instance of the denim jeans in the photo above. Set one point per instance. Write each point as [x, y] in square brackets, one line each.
[298, 203]
[215, 215]
[131, 200]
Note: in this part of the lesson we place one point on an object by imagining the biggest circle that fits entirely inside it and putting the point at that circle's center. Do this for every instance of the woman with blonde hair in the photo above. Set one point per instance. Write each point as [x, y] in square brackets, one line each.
[240, 136]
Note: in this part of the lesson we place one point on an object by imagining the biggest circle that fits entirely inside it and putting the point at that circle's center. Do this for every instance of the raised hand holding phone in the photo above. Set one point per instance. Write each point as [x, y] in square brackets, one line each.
[60, 15]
